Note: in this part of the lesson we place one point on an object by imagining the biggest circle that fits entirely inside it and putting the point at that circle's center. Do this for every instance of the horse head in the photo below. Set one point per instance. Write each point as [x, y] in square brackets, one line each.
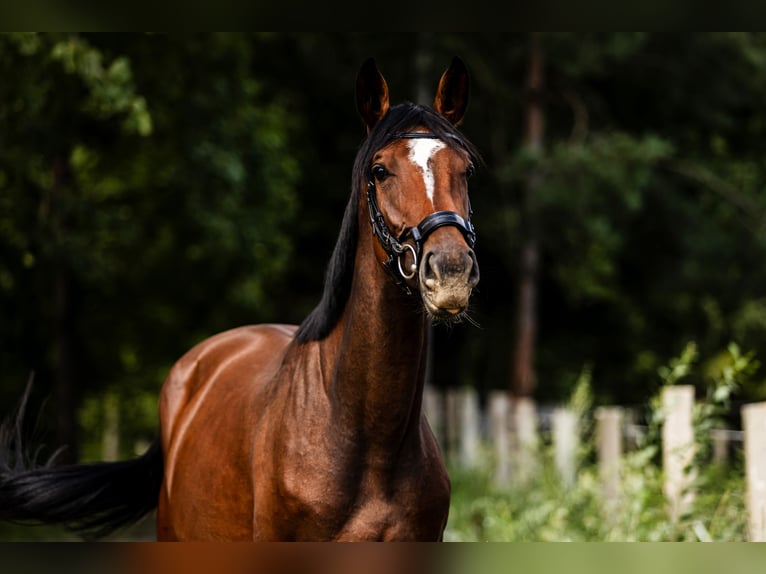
[417, 168]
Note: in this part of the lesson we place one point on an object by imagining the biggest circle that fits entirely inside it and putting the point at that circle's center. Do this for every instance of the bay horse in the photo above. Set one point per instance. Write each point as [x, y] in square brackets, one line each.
[315, 432]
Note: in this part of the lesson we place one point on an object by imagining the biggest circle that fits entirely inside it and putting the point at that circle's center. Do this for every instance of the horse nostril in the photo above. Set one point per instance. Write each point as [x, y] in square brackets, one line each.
[430, 274]
[473, 275]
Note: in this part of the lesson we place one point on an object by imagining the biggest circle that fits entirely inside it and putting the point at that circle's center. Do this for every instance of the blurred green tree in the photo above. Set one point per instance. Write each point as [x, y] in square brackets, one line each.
[147, 185]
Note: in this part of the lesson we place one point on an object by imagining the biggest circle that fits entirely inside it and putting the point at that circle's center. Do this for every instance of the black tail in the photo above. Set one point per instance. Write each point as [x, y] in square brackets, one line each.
[93, 500]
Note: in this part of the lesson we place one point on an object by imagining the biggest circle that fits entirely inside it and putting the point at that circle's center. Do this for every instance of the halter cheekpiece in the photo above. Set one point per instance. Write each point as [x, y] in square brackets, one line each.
[397, 247]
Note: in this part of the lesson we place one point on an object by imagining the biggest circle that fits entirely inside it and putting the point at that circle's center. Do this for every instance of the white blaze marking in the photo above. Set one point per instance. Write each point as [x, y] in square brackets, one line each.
[421, 151]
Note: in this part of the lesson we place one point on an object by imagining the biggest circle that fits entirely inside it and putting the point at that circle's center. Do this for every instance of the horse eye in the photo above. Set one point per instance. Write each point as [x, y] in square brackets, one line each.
[379, 172]
[469, 172]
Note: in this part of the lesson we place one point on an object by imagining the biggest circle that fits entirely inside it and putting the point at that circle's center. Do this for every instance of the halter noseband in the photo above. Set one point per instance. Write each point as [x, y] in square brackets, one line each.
[395, 247]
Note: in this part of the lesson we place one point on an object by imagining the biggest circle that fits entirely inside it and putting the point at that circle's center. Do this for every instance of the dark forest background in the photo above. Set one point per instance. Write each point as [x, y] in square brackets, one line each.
[156, 189]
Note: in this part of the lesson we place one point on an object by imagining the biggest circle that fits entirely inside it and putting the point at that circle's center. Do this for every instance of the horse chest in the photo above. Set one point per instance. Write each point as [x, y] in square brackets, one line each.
[403, 502]
[415, 510]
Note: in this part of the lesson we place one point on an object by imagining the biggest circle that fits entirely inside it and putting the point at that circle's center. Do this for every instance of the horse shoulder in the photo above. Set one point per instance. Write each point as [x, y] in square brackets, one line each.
[253, 347]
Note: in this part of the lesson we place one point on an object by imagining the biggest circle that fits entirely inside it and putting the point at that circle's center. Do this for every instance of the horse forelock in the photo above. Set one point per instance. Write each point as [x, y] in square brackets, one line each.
[404, 118]
[340, 270]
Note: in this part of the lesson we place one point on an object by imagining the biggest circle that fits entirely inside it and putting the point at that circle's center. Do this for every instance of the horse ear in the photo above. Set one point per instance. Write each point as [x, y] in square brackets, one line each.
[451, 98]
[371, 94]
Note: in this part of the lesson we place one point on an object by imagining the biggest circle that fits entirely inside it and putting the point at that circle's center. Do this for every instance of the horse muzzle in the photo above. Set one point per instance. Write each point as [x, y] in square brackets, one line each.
[447, 278]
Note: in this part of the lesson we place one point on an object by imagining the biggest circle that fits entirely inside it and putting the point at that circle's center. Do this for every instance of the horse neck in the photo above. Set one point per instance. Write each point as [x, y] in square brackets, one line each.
[379, 350]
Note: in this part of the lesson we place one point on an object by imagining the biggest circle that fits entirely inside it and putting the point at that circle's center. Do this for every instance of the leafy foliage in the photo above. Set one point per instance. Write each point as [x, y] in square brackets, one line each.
[160, 187]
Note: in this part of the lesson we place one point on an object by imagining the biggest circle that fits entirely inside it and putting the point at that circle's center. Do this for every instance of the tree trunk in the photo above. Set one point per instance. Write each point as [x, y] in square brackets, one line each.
[523, 375]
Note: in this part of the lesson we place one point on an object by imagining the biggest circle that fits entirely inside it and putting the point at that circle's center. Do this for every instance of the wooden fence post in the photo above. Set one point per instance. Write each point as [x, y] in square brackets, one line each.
[609, 447]
[433, 407]
[720, 438]
[526, 438]
[453, 424]
[499, 432]
[470, 436]
[110, 439]
[566, 441]
[678, 448]
[754, 425]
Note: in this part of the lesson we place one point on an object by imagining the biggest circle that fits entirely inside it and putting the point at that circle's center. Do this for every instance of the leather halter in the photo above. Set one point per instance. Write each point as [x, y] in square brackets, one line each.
[412, 238]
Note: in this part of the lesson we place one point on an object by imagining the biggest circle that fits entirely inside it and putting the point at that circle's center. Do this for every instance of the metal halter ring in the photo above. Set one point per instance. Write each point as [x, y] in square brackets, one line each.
[413, 267]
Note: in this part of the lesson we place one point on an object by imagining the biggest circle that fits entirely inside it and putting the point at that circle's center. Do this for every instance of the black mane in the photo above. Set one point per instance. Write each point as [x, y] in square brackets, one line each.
[340, 270]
